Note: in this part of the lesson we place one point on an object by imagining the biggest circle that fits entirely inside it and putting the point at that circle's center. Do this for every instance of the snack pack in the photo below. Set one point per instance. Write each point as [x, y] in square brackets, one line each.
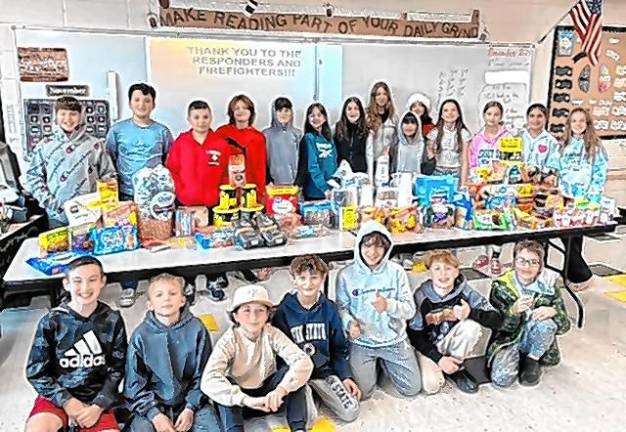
[309, 231]
[215, 237]
[120, 214]
[269, 230]
[114, 239]
[317, 213]
[80, 238]
[379, 214]
[184, 222]
[83, 209]
[246, 237]
[406, 219]
[55, 263]
[440, 216]
[155, 197]
[425, 187]
[281, 199]
[108, 191]
[492, 220]
[56, 240]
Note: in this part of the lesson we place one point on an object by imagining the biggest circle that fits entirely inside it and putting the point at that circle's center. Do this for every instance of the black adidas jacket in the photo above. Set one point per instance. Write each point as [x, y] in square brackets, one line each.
[74, 356]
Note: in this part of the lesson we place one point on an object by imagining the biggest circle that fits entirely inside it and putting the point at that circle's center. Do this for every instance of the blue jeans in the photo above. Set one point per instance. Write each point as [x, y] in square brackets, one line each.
[398, 362]
[295, 403]
[537, 338]
[204, 420]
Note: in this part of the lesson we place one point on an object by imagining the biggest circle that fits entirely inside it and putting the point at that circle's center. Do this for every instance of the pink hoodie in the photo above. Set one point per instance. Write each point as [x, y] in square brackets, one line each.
[482, 149]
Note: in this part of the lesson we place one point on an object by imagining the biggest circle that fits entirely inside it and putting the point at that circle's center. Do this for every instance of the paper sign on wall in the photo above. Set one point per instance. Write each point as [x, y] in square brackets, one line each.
[43, 64]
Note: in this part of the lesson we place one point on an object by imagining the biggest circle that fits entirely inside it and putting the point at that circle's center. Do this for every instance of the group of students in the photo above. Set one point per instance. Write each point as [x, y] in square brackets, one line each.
[175, 379]
[70, 161]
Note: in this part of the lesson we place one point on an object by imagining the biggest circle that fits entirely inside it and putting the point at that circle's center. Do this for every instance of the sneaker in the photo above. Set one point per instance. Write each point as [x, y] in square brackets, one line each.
[495, 266]
[215, 291]
[464, 382]
[127, 297]
[480, 263]
[190, 293]
[530, 372]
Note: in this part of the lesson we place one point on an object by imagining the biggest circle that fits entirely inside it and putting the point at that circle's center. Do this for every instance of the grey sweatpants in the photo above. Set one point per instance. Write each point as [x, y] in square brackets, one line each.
[335, 396]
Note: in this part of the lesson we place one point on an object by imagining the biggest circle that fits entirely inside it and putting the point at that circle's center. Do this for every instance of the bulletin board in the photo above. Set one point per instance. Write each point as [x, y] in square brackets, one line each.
[600, 89]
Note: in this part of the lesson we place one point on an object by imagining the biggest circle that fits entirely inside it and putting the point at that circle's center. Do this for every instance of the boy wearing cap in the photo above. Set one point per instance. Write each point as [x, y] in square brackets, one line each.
[242, 376]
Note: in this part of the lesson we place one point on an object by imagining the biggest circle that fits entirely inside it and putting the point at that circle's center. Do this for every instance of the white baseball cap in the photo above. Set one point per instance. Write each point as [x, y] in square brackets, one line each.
[248, 294]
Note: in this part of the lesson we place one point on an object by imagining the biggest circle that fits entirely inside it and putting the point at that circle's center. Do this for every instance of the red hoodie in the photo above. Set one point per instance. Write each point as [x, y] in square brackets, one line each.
[256, 157]
[199, 169]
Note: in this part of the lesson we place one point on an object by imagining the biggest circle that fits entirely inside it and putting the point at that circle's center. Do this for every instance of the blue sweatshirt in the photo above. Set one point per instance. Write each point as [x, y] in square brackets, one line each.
[133, 147]
[542, 151]
[357, 286]
[318, 332]
[65, 166]
[164, 364]
[580, 175]
[321, 157]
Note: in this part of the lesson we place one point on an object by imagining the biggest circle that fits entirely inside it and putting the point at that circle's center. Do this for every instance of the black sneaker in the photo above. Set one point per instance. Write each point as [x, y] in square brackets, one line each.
[464, 382]
[215, 291]
[530, 373]
[219, 279]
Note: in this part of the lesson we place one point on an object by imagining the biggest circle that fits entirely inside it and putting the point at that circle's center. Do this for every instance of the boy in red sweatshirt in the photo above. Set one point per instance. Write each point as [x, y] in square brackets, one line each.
[241, 115]
[198, 161]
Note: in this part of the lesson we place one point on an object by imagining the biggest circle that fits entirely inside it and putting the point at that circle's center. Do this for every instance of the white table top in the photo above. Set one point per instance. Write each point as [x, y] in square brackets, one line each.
[142, 259]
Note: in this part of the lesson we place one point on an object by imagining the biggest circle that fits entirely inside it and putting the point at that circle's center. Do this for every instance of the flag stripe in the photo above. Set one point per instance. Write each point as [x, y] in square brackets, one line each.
[586, 16]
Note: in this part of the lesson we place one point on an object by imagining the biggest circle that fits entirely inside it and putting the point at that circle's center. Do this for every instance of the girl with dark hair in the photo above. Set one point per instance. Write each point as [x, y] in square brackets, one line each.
[246, 139]
[540, 149]
[318, 158]
[382, 123]
[351, 134]
[419, 104]
[447, 141]
[408, 153]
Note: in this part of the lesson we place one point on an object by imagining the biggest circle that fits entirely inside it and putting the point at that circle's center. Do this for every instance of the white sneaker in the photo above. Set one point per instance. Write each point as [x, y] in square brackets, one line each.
[127, 297]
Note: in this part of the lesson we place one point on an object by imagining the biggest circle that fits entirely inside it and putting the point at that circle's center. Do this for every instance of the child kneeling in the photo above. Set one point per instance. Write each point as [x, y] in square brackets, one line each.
[533, 314]
[375, 301]
[313, 322]
[241, 375]
[447, 325]
[166, 356]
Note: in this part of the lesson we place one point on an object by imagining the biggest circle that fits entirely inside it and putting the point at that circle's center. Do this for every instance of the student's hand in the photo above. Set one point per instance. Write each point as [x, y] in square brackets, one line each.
[162, 424]
[184, 420]
[380, 303]
[73, 407]
[328, 194]
[352, 388]
[264, 274]
[256, 403]
[522, 305]
[89, 416]
[355, 329]
[274, 399]
[462, 312]
[543, 313]
[449, 365]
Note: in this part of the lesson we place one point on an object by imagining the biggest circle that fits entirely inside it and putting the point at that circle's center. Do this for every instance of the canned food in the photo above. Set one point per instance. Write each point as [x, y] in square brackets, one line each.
[224, 217]
[248, 198]
[228, 197]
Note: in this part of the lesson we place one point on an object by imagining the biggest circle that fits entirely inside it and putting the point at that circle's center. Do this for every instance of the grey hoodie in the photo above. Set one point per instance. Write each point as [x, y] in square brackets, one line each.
[282, 150]
[407, 154]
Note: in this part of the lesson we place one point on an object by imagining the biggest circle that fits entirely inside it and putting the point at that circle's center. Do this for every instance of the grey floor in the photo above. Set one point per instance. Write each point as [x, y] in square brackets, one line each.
[586, 392]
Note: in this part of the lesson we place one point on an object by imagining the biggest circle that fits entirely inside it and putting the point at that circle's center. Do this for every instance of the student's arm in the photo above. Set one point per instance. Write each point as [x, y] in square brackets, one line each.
[428, 165]
[343, 300]
[142, 400]
[369, 155]
[561, 318]
[108, 395]
[106, 168]
[598, 175]
[258, 164]
[268, 155]
[111, 145]
[172, 163]
[510, 320]
[465, 165]
[39, 366]
[168, 139]
[214, 382]
[313, 165]
[193, 398]
[339, 348]
[421, 341]
[403, 306]
[300, 364]
[481, 311]
[37, 181]
[554, 155]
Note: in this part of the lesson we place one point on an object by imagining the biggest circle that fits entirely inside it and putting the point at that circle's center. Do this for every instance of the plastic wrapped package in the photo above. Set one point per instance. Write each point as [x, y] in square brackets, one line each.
[121, 214]
[55, 263]
[212, 237]
[404, 219]
[114, 239]
[80, 238]
[317, 213]
[56, 240]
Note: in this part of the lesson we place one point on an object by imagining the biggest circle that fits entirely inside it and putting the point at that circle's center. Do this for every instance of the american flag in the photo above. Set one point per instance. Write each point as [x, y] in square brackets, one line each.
[586, 15]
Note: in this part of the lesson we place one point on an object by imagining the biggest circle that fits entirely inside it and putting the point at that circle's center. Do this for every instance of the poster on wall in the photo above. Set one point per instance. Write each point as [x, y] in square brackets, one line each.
[600, 89]
[43, 64]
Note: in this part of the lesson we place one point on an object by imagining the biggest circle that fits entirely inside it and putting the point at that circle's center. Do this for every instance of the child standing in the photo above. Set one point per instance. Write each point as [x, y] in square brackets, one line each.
[419, 104]
[482, 152]
[447, 141]
[242, 376]
[351, 134]
[68, 163]
[319, 153]
[166, 356]
[407, 154]
[540, 149]
[249, 141]
[133, 144]
[313, 322]
[533, 314]
[282, 141]
[382, 122]
[375, 301]
[447, 325]
[76, 361]
[583, 168]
